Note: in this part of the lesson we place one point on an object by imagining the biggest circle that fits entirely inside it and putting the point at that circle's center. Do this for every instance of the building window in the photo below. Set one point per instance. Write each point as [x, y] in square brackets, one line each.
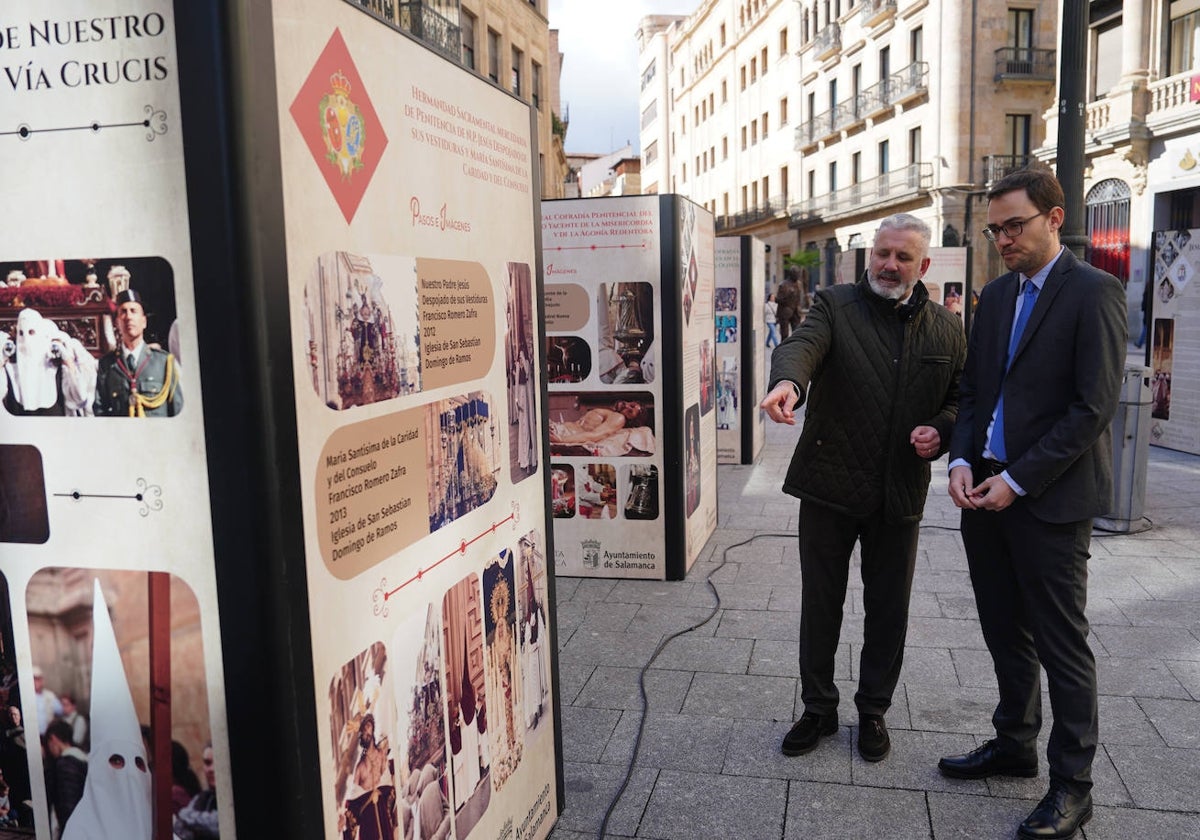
[754, 195]
[833, 176]
[468, 40]
[535, 84]
[711, 105]
[648, 75]
[650, 114]
[783, 180]
[724, 148]
[493, 43]
[763, 60]
[1016, 131]
[1106, 40]
[764, 125]
[884, 154]
[1181, 37]
[811, 178]
[885, 63]
[783, 44]
[743, 138]
[745, 206]
[753, 132]
[724, 91]
[916, 45]
[517, 57]
[753, 70]
[855, 167]
[722, 34]
[652, 153]
[683, 176]
[743, 74]
[914, 145]
[783, 114]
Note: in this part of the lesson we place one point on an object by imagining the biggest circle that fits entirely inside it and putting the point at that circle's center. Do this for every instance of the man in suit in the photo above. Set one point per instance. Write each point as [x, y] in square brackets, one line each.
[1030, 466]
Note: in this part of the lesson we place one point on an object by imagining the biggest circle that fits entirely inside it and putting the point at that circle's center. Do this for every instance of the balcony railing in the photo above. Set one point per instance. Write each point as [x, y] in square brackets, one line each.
[876, 11]
[889, 188]
[769, 209]
[425, 23]
[996, 167]
[911, 81]
[828, 40]
[1025, 64]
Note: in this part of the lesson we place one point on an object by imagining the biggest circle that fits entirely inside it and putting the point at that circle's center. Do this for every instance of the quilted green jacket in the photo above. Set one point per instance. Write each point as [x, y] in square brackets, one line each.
[871, 371]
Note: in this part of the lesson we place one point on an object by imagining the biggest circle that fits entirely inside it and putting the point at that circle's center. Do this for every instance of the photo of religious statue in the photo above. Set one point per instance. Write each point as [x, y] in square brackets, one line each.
[521, 370]
[691, 463]
[468, 705]
[361, 723]
[627, 352]
[361, 329]
[503, 668]
[612, 424]
[75, 345]
[1162, 360]
[562, 491]
[533, 631]
[597, 494]
[415, 654]
[568, 359]
[726, 299]
[464, 456]
[707, 372]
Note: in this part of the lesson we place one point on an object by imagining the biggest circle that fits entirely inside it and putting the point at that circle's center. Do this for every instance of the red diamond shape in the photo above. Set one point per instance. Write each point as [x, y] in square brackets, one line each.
[339, 124]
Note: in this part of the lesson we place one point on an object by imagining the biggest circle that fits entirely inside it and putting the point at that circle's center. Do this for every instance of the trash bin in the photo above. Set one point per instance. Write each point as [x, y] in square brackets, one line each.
[1131, 451]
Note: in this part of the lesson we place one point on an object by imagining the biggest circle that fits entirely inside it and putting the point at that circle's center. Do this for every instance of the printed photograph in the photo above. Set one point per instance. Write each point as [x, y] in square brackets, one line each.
[611, 424]
[361, 333]
[503, 667]
[726, 299]
[422, 789]
[727, 329]
[466, 703]
[568, 359]
[707, 372]
[691, 462]
[1162, 360]
[361, 728]
[597, 494]
[625, 320]
[464, 460]
[562, 491]
[89, 338]
[23, 513]
[16, 792]
[521, 364]
[727, 394]
[97, 639]
[952, 297]
[533, 631]
[641, 497]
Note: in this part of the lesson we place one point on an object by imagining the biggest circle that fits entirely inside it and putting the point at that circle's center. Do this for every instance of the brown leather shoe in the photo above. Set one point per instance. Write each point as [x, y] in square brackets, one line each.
[1059, 815]
[988, 760]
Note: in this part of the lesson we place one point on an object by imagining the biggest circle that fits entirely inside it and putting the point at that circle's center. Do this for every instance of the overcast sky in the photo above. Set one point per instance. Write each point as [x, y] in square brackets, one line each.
[599, 78]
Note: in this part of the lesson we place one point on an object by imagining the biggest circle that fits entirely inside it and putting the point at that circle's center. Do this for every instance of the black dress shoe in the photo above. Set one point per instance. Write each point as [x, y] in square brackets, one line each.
[1059, 815]
[803, 737]
[988, 760]
[873, 741]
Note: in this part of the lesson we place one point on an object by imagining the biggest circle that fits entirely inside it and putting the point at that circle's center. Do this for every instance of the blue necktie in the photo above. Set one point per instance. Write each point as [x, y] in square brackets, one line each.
[996, 443]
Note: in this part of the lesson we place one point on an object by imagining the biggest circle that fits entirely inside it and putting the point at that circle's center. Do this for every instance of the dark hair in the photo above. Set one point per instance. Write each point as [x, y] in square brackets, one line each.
[181, 769]
[61, 730]
[1039, 184]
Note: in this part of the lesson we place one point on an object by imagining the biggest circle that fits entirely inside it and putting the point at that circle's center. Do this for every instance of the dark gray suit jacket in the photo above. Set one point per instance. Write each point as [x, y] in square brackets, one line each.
[1061, 391]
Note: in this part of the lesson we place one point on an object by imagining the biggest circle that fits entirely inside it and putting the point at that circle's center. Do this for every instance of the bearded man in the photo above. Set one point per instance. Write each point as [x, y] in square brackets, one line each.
[879, 363]
[44, 371]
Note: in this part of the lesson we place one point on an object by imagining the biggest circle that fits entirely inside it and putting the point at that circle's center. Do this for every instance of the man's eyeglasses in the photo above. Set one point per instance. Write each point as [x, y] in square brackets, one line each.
[1010, 229]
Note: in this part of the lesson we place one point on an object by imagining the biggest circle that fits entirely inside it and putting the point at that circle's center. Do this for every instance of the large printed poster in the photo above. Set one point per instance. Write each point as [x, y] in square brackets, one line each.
[411, 257]
[604, 322]
[107, 581]
[1175, 342]
[696, 241]
[740, 296]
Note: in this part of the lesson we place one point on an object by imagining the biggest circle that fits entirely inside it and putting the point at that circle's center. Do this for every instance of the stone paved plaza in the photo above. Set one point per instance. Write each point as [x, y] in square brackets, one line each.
[722, 696]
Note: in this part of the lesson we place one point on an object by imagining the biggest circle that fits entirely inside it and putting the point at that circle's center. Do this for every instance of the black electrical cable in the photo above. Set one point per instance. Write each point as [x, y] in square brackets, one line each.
[637, 742]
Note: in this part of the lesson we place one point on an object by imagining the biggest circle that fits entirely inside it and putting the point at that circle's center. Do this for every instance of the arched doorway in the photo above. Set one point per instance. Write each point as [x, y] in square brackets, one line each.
[1108, 227]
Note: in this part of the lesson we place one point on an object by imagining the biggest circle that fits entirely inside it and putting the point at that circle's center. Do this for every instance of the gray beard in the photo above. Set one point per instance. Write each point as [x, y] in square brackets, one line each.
[897, 293]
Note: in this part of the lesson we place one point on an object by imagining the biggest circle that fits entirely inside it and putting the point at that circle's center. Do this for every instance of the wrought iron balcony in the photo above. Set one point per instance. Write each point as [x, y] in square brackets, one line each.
[768, 209]
[996, 167]
[876, 11]
[849, 112]
[1025, 64]
[818, 128]
[907, 83]
[828, 41]
[430, 26]
[889, 188]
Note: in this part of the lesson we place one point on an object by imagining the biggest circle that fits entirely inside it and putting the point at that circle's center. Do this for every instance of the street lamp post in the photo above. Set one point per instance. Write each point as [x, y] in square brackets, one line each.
[1072, 114]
